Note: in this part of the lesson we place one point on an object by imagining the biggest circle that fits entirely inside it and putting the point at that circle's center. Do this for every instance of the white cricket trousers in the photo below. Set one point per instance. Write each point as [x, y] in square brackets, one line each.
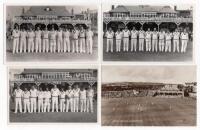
[18, 102]
[134, 44]
[15, 45]
[148, 45]
[184, 45]
[118, 45]
[75, 45]
[52, 45]
[33, 105]
[176, 45]
[62, 105]
[76, 104]
[126, 44]
[46, 105]
[40, 105]
[89, 45]
[83, 105]
[38, 45]
[82, 45]
[89, 104]
[109, 46]
[59, 43]
[23, 45]
[69, 104]
[168, 46]
[54, 102]
[30, 45]
[141, 44]
[154, 45]
[66, 43]
[161, 45]
[45, 45]
[27, 105]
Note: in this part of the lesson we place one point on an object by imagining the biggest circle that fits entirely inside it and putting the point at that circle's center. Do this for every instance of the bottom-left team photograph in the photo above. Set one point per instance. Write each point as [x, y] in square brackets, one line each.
[52, 95]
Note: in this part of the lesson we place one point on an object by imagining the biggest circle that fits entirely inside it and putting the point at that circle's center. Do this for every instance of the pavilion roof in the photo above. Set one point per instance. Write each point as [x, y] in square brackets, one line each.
[47, 10]
[31, 71]
[143, 8]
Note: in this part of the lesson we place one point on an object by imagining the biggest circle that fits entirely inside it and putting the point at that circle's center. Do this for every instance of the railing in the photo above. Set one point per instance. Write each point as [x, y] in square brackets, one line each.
[55, 79]
[46, 21]
[149, 19]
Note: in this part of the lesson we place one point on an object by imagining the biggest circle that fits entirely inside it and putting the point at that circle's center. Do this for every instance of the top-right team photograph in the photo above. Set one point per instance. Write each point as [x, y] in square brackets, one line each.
[160, 33]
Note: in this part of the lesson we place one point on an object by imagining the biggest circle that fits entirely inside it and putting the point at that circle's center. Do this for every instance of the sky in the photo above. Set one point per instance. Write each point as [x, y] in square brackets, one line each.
[106, 8]
[17, 10]
[159, 74]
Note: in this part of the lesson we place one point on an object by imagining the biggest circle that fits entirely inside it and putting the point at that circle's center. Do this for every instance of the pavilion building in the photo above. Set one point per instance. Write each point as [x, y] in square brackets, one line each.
[145, 16]
[48, 16]
[170, 91]
[48, 77]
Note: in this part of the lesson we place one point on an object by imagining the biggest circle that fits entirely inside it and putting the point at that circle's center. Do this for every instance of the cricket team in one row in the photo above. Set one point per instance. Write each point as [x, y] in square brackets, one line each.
[50, 41]
[154, 41]
[69, 100]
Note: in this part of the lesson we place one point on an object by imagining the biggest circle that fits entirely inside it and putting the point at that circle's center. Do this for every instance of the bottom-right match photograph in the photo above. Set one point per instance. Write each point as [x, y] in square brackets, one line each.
[156, 95]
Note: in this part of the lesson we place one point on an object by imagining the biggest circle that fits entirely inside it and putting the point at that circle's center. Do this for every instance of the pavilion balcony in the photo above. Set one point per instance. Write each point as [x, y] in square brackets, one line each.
[50, 21]
[148, 19]
[24, 79]
[54, 79]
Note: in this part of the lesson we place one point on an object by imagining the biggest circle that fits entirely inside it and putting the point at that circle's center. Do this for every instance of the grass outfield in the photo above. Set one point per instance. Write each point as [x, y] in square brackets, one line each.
[55, 117]
[148, 111]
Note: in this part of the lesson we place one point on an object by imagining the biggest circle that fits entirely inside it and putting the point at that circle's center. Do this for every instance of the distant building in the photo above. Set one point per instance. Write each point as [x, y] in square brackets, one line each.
[146, 16]
[192, 86]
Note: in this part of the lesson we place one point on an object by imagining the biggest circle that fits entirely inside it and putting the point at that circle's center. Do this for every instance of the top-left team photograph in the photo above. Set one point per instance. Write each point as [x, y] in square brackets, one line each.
[50, 33]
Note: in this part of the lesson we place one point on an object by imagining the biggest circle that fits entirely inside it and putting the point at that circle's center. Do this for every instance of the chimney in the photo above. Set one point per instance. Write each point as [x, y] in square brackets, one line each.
[23, 10]
[112, 7]
[175, 8]
[72, 11]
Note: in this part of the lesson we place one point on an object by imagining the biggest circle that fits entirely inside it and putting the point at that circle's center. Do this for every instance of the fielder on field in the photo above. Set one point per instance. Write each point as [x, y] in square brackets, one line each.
[141, 39]
[109, 35]
[18, 93]
[15, 37]
[126, 34]
[45, 40]
[76, 91]
[23, 36]
[40, 95]
[31, 44]
[82, 100]
[26, 97]
[33, 97]
[69, 99]
[62, 100]
[47, 99]
[38, 41]
[134, 37]
[90, 96]
[118, 36]
[89, 40]
[54, 94]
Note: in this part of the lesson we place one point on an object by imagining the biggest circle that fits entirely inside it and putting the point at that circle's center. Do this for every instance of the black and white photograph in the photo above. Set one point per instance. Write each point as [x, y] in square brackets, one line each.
[155, 33]
[38, 95]
[149, 95]
[51, 33]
